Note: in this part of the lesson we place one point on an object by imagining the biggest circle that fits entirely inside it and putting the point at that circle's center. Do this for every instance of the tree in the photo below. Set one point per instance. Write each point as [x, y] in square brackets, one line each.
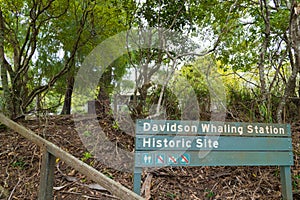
[155, 57]
[258, 37]
[105, 20]
[44, 43]
[30, 37]
[292, 38]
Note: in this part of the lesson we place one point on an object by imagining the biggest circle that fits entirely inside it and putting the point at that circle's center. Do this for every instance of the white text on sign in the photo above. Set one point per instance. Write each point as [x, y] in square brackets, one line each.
[218, 128]
[199, 142]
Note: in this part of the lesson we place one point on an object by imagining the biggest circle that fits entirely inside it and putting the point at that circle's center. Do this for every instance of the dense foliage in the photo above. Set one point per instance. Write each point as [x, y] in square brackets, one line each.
[254, 45]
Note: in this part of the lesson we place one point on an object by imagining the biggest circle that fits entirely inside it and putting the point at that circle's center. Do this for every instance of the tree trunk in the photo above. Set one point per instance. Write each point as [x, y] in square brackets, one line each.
[262, 55]
[294, 43]
[298, 92]
[5, 107]
[103, 105]
[66, 110]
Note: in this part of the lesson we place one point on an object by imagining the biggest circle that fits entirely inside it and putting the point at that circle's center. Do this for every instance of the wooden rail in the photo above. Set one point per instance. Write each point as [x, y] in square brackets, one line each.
[51, 152]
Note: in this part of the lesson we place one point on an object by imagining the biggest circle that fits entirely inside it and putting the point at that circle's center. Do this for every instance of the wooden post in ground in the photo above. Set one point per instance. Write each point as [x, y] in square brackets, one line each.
[286, 182]
[137, 177]
[47, 176]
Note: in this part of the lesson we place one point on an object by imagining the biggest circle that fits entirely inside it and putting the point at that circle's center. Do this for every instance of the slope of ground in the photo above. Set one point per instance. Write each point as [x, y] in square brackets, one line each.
[20, 162]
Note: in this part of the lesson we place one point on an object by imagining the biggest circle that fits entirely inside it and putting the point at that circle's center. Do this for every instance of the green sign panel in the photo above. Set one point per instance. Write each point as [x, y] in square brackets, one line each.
[214, 158]
[205, 143]
[167, 127]
[161, 143]
[177, 143]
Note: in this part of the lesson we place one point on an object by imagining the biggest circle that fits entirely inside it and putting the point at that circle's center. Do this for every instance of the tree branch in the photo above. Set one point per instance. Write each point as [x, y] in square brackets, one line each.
[67, 64]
